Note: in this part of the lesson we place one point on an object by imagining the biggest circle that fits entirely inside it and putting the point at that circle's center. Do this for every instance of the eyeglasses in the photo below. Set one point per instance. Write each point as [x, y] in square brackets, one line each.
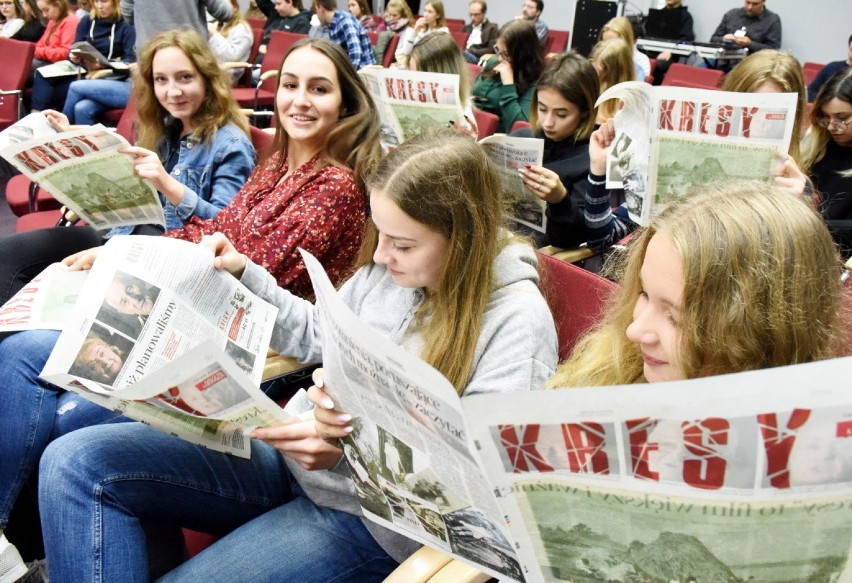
[499, 52]
[840, 124]
[7, 3]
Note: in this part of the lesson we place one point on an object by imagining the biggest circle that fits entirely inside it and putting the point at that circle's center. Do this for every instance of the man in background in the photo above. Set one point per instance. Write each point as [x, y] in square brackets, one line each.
[345, 30]
[286, 15]
[532, 11]
[829, 70]
[482, 32]
[752, 27]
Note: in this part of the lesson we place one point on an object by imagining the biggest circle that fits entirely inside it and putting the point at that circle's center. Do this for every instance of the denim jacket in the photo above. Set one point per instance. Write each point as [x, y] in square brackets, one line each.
[212, 174]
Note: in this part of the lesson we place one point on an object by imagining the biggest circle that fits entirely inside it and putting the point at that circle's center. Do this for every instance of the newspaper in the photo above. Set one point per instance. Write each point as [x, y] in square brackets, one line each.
[744, 477]
[35, 125]
[669, 139]
[510, 154]
[61, 69]
[83, 170]
[410, 101]
[138, 334]
[93, 59]
[45, 303]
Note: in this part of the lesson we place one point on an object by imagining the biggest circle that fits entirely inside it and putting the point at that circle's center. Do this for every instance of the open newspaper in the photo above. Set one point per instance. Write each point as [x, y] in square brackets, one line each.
[410, 101]
[669, 139]
[93, 59]
[511, 154]
[83, 170]
[161, 336]
[744, 477]
[45, 303]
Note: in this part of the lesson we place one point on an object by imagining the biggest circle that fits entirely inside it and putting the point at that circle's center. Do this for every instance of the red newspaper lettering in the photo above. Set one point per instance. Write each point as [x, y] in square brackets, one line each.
[389, 86]
[584, 443]
[42, 153]
[748, 115]
[14, 321]
[723, 128]
[687, 112]
[210, 380]
[72, 147]
[666, 108]
[703, 124]
[88, 142]
[637, 434]
[421, 92]
[779, 443]
[434, 90]
[844, 429]
[31, 163]
[702, 439]
[521, 449]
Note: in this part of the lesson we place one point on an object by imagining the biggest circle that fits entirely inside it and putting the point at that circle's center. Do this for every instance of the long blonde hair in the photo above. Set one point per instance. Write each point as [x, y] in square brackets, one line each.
[613, 59]
[354, 142]
[464, 203]
[439, 53]
[236, 18]
[620, 26]
[784, 70]
[761, 289]
[575, 79]
[218, 107]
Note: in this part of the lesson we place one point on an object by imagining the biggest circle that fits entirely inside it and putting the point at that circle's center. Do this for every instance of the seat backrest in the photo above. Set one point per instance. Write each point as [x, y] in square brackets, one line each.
[257, 39]
[460, 38]
[279, 43]
[256, 23]
[520, 124]
[576, 298]
[455, 24]
[473, 71]
[810, 71]
[126, 126]
[486, 122]
[261, 141]
[680, 75]
[557, 41]
[17, 61]
[390, 51]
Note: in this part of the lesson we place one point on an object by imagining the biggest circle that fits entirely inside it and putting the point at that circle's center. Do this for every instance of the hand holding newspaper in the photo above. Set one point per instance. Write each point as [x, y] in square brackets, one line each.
[161, 336]
[669, 139]
[83, 170]
[744, 477]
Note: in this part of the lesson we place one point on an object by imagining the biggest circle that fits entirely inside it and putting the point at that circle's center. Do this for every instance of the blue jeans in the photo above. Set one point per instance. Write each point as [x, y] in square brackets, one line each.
[49, 93]
[33, 412]
[97, 484]
[87, 99]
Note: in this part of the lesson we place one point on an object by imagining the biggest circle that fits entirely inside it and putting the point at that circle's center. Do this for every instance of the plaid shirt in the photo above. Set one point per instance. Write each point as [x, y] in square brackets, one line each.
[346, 31]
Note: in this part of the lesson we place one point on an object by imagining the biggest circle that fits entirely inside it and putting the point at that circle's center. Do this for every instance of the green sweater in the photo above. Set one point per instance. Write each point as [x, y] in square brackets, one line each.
[489, 94]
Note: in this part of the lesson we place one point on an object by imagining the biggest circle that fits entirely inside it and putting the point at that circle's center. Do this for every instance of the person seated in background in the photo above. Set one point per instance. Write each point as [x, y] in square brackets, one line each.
[482, 32]
[505, 86]
[433, 20]
[683, 33]
[397, 17]
[60, 29]
[345, 30]
[231, 41]
[110, 34]
[621, 27]
[531, 12]
[82, 8]
[360, 9]
[827, 71]
[680, 314]
[828, 154]
[12, 18]
[286, 15]
[753, 27]
[33, 27]
[613, 60]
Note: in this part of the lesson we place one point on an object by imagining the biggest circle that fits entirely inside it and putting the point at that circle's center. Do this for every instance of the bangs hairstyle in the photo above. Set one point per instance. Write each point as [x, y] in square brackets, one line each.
[354, 142]
[838, 86]
[785, 71]
[438, 6]
[218, 106]
[16, 7]
[620, 26]
[364, 7]
[403, 9]
[447, 183]
[525, 52]
[115, 14]
[574, 78]
[439, 53]
[761, 289]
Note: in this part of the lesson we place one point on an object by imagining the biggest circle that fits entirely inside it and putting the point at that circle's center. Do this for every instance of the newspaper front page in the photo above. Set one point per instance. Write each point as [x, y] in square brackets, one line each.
[410, 101]
[511, 154]
[737, 478]
[45, 303]
[84, 171]
[670, 139]
[147, 302]
[409, 456]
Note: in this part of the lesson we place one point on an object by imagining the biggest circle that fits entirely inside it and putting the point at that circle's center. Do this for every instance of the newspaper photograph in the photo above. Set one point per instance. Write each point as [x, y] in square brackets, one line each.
[45, 303]
[408, 455]
[146, 302]
[511, 154]
[670, 139]
[83, 170]
[736, 478]
[35, 125]
[410, 101]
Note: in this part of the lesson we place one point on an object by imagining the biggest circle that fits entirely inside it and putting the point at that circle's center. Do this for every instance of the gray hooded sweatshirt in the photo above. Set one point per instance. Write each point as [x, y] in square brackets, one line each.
[516, 350]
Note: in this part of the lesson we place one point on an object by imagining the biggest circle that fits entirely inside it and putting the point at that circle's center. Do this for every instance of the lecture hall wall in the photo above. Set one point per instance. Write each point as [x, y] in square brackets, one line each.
[814, 30]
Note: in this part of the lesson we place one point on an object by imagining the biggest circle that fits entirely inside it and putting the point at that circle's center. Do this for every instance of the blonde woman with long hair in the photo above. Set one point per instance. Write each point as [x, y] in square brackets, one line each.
[437, 276]
[733, 277]
[614, 64]
[432, 21]
[621, 27]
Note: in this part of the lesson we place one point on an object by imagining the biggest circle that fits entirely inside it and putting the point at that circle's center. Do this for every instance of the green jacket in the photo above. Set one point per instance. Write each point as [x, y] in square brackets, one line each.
[489, 94]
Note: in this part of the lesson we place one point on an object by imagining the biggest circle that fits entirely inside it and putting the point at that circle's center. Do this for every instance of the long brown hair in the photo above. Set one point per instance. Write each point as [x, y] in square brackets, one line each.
[526, 53]
[354, 142]
[574, 78]
[464, 204]
[218, 107]
[63, 12]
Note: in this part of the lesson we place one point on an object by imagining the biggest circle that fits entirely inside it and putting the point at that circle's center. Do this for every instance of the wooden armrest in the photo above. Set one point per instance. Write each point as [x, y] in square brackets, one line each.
[458, 572]
[228, 65]
[419, 567]
[568, 255]
[268, 75]
[277, 365]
